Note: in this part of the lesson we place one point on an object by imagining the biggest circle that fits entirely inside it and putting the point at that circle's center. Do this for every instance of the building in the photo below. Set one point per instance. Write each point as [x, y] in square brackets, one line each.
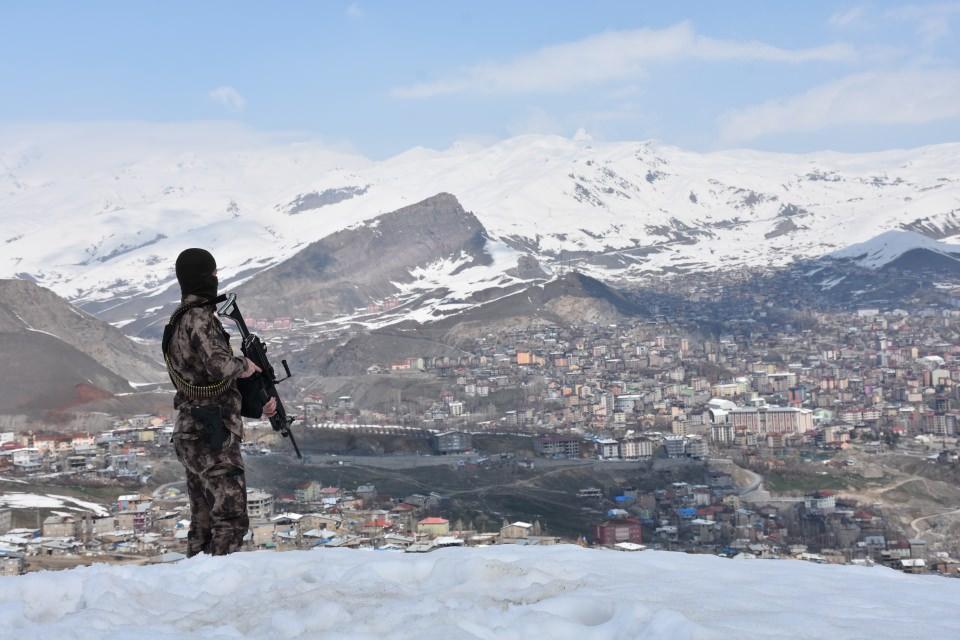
[452, 442]
[131, 502]
[433, 527]
[11, 563]
[823, 501]
[608, 449]
[138, 520]
[613, 531]
[259, 504]
[6, 520]
[308, 491]
[27, 459]
[60, 527]
[565, 446]
[627, 403]
[675, 446]
[722, 433]
[515, 532]
[696, 447]
[636, 448]
[771, 419]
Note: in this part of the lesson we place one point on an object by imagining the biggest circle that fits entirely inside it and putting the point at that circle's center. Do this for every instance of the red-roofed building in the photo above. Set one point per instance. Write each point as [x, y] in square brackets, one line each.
[433, 527]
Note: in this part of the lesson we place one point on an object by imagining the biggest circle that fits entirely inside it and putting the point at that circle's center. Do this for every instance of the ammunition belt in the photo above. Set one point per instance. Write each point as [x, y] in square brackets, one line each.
[184, 386]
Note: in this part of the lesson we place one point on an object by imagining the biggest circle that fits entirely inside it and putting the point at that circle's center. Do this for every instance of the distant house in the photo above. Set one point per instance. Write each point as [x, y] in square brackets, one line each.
[613, 531]
[259, 504]
[261, 534]
[515, 532]
[608, 449]
[635, 448]
[27, 459]
[131, 502]
[452, 442]
[433, 527]
[138, 519]
[565, 446]
[60, 527]
[11, 563]
[321, 521]
[308, 491]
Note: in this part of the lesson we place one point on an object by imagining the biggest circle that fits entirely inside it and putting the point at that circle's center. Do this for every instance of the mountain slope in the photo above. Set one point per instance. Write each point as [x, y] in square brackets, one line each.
[504, 591]
[24, 306]
[618, 211]
[369, 262]
[891, 245]
[43, 373]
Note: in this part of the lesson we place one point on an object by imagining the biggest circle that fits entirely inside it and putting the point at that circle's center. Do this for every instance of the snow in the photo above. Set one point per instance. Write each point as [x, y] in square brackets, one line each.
[492, 592]
[198, 186]
[890, 245]
[19, 500]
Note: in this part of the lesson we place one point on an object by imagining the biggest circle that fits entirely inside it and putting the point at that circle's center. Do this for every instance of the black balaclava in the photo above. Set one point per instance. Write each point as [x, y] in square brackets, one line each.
[195, 273]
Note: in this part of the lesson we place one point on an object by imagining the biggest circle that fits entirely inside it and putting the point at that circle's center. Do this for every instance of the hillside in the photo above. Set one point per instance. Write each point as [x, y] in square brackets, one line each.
[353, 267]
[495, 592]
[58, 358]
[43, 373]
[25, 306]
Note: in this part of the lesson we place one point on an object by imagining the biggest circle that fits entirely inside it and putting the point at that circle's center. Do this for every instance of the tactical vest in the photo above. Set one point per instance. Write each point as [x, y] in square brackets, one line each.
[184, 386]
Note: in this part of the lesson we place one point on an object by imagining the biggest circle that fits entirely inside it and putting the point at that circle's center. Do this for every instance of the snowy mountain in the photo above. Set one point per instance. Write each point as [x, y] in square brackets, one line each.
[100, 219]
[891, 245]
[562, 592]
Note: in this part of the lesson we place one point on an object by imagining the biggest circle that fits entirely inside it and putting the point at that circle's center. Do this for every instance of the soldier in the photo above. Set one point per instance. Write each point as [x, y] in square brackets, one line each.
[209, 428]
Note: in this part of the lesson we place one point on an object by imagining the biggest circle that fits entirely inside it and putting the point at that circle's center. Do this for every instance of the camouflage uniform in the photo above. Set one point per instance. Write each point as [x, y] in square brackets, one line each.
[205, 370]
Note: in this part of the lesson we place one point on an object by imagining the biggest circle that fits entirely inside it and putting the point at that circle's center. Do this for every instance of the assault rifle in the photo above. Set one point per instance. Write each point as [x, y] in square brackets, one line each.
[254, 349]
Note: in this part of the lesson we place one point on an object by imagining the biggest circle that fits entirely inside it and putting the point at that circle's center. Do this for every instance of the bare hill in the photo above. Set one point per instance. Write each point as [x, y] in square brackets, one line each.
[25, 305]
[41, 373]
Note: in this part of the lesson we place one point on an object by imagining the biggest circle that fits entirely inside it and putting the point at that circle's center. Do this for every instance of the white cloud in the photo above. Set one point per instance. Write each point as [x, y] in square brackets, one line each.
[846, 18]
[228, 97]
[931, 21]
[613, 55]
[888, 98]
[354, 10]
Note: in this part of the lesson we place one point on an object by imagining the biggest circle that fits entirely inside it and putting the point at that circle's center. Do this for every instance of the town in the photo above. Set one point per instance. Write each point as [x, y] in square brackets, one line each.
[778, 439]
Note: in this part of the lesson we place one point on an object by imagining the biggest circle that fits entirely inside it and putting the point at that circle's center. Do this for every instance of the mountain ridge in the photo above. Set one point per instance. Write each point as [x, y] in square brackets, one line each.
[618, 211]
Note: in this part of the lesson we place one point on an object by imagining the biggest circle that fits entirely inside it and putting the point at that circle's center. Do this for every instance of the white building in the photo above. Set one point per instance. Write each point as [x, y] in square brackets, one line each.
[771, 419]
[608, 449]
[636, 448]
[259, 504]
[27, 459]
[722, 433]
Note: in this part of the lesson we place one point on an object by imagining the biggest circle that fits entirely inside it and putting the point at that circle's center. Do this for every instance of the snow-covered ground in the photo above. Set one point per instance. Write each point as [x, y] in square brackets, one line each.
[496, 592]
[19, 500]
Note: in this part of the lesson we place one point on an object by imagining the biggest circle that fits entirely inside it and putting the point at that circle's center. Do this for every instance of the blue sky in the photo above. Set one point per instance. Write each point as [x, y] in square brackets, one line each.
[382, 77]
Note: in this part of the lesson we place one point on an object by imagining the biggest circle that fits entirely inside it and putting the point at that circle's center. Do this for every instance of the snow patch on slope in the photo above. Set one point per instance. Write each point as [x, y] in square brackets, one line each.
[17, 500]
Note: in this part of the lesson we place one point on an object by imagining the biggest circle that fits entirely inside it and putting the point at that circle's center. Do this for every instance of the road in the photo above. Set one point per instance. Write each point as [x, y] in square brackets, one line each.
[918, 532]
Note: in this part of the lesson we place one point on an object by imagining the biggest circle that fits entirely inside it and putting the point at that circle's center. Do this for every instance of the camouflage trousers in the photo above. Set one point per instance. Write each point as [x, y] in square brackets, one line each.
[218, 495]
